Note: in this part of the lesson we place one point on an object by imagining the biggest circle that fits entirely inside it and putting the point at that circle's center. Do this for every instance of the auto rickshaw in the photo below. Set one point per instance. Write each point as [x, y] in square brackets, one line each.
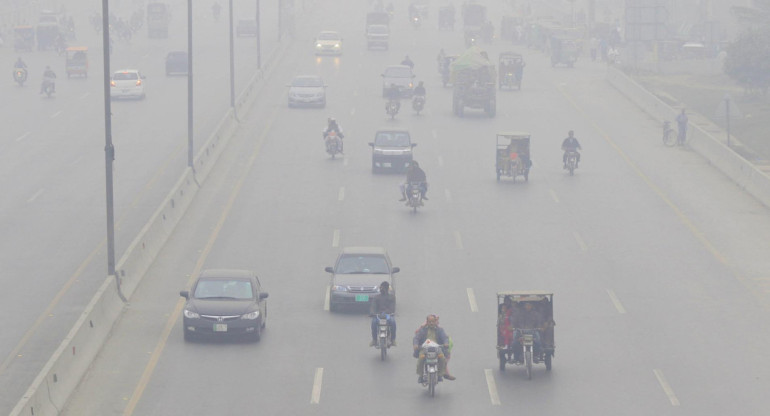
[563, 51]
[446, 18]
[517, 344]
[511, 70]
[23, 38]
[512, 155]
[77, 61]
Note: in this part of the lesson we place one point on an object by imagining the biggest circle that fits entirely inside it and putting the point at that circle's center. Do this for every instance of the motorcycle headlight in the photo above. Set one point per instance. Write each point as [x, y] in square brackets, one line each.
[338, 288]
[190, 314]
[318, 45]
[337, 45]
[251, 315]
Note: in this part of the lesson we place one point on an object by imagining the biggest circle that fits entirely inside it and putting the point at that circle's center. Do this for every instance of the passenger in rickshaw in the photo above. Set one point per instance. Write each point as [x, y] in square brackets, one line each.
[528, 318]
[513, 157]
[518, 69]
[507, 312]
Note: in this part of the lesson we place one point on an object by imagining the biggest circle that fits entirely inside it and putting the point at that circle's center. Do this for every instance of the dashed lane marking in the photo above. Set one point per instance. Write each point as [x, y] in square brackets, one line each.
[666, 387]
[315, 396]
[616, 301]
[472, 300]
[341, 194]
[448, 195]
[336, 238]
[458, 240]
[37, 194]
[56, 114]
[492, 386]
[23, 136]
[580, 241]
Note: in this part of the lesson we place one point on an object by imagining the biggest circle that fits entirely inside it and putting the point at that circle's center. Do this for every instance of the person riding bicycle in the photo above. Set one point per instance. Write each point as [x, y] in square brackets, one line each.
[570, 144]
[384, 302]
[681, 124]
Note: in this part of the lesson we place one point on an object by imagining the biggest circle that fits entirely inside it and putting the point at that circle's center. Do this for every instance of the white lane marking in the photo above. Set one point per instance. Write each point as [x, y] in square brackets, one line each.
[341, 194]
[458, 240]
[580, 241]
[440, 161]
[37, 194]
[315, 397]
[492, 386]
[327, 299]
[345, 161]
[616, 301]
[355, 93]
[553, 195]
[336, 238]
[56, 114]
[352, 111]
[85, 95]
[448, 195]
[23, 136]
[666, 387]
[472, 300]
[434, 133]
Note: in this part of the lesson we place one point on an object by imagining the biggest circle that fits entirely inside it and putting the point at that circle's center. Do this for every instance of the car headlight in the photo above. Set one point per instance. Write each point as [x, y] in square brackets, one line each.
[318, 45]
[251, 315]
[337, 288]
[411, 85]
[190, 314]
[337, 45]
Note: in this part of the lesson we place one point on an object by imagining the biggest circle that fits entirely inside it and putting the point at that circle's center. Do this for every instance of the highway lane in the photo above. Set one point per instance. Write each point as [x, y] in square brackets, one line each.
[656, 260]
[52, 164]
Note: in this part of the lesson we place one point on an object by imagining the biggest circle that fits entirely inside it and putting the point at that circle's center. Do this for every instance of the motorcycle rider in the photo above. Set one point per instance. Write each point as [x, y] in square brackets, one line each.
[528, 318]
[20, 64]
[385, 302]
[49, 78]
[570, 144]
[414, 174]
[431, 331]
[419, 90]
[333, 126]
[393, 94]
[408, 62]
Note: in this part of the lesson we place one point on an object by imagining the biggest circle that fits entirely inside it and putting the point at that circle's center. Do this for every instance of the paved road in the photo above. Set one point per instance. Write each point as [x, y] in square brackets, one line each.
[52, 171]
[658, 262]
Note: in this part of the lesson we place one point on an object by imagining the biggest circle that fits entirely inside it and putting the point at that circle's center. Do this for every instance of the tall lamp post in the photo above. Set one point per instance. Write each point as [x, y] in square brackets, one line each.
[109, 148]
[232, 59]
[259, 40]
[189, 86]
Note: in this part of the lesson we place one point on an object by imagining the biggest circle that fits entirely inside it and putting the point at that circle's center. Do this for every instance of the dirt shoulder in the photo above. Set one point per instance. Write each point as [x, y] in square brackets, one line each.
[750, 134]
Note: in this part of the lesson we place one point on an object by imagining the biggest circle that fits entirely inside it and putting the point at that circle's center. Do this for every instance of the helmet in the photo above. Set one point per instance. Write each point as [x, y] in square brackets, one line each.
[384, 285]
[571, 132]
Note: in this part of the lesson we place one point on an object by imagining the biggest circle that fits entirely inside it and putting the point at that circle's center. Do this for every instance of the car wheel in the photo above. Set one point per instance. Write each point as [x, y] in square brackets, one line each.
[188, 336]
[264, 319]
[333, 307]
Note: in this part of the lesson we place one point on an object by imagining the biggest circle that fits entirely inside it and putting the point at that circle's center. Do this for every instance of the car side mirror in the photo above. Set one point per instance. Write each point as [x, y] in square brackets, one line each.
[263, 295]
[185, 294]
[329, 270]
[395, 270]
[413, 144]
[371, 144]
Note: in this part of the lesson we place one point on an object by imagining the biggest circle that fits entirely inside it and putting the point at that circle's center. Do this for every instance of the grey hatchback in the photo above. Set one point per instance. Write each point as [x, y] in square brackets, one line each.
[225, 302]
[357, 274]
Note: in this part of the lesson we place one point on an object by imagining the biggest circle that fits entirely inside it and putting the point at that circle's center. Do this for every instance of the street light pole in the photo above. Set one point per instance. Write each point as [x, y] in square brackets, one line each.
[232, 59]
[259, 40]
[109, 148]
[189, 86]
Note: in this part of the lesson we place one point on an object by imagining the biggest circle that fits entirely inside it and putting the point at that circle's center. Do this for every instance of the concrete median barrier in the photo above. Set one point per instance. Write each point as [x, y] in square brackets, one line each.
[741, 171]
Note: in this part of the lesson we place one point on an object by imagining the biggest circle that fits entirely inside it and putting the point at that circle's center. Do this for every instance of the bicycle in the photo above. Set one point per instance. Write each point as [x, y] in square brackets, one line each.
[669, 135]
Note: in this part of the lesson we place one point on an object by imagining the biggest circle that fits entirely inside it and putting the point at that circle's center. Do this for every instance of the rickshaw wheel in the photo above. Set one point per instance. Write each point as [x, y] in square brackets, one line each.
[501, 357]
[548, 361]
[498, 175]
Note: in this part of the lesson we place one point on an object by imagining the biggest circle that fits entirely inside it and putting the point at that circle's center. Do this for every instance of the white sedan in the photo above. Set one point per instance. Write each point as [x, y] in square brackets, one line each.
[127, 83]
[328, 43]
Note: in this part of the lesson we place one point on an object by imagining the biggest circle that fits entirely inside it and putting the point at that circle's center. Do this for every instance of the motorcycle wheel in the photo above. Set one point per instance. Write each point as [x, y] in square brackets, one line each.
[571, 170]
[548, 361]
[383, 349]
[528, 359]
[433, 379]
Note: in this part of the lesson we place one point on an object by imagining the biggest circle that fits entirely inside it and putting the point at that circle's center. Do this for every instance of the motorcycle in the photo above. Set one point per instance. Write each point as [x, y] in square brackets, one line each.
[391, 108]
[571, 162]
[333, 144]
[431, 351]
[383, 334]
[414, 196]
[48, 87]
[20, 76]
[528, 343]
[418, 103]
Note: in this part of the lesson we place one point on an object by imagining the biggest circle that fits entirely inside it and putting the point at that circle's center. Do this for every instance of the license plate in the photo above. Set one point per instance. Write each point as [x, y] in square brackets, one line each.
[362, 298]
[220, 327]
[125, 90]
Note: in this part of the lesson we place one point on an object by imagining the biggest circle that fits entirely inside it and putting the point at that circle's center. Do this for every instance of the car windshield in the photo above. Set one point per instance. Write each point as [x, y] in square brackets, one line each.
[222, 288]
[398, 72]
[247, 23]
[378, 29]
[392, 139]
[328, 36]
[122, 76]
[362, 263]
[307, 82]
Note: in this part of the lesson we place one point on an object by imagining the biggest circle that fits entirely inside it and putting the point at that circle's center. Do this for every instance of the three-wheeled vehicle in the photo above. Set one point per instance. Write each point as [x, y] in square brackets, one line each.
[23, 38]
[517, 344]
[446, 18]
[77, 61]
[512, 155]
[511, 70]
[563, 51]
